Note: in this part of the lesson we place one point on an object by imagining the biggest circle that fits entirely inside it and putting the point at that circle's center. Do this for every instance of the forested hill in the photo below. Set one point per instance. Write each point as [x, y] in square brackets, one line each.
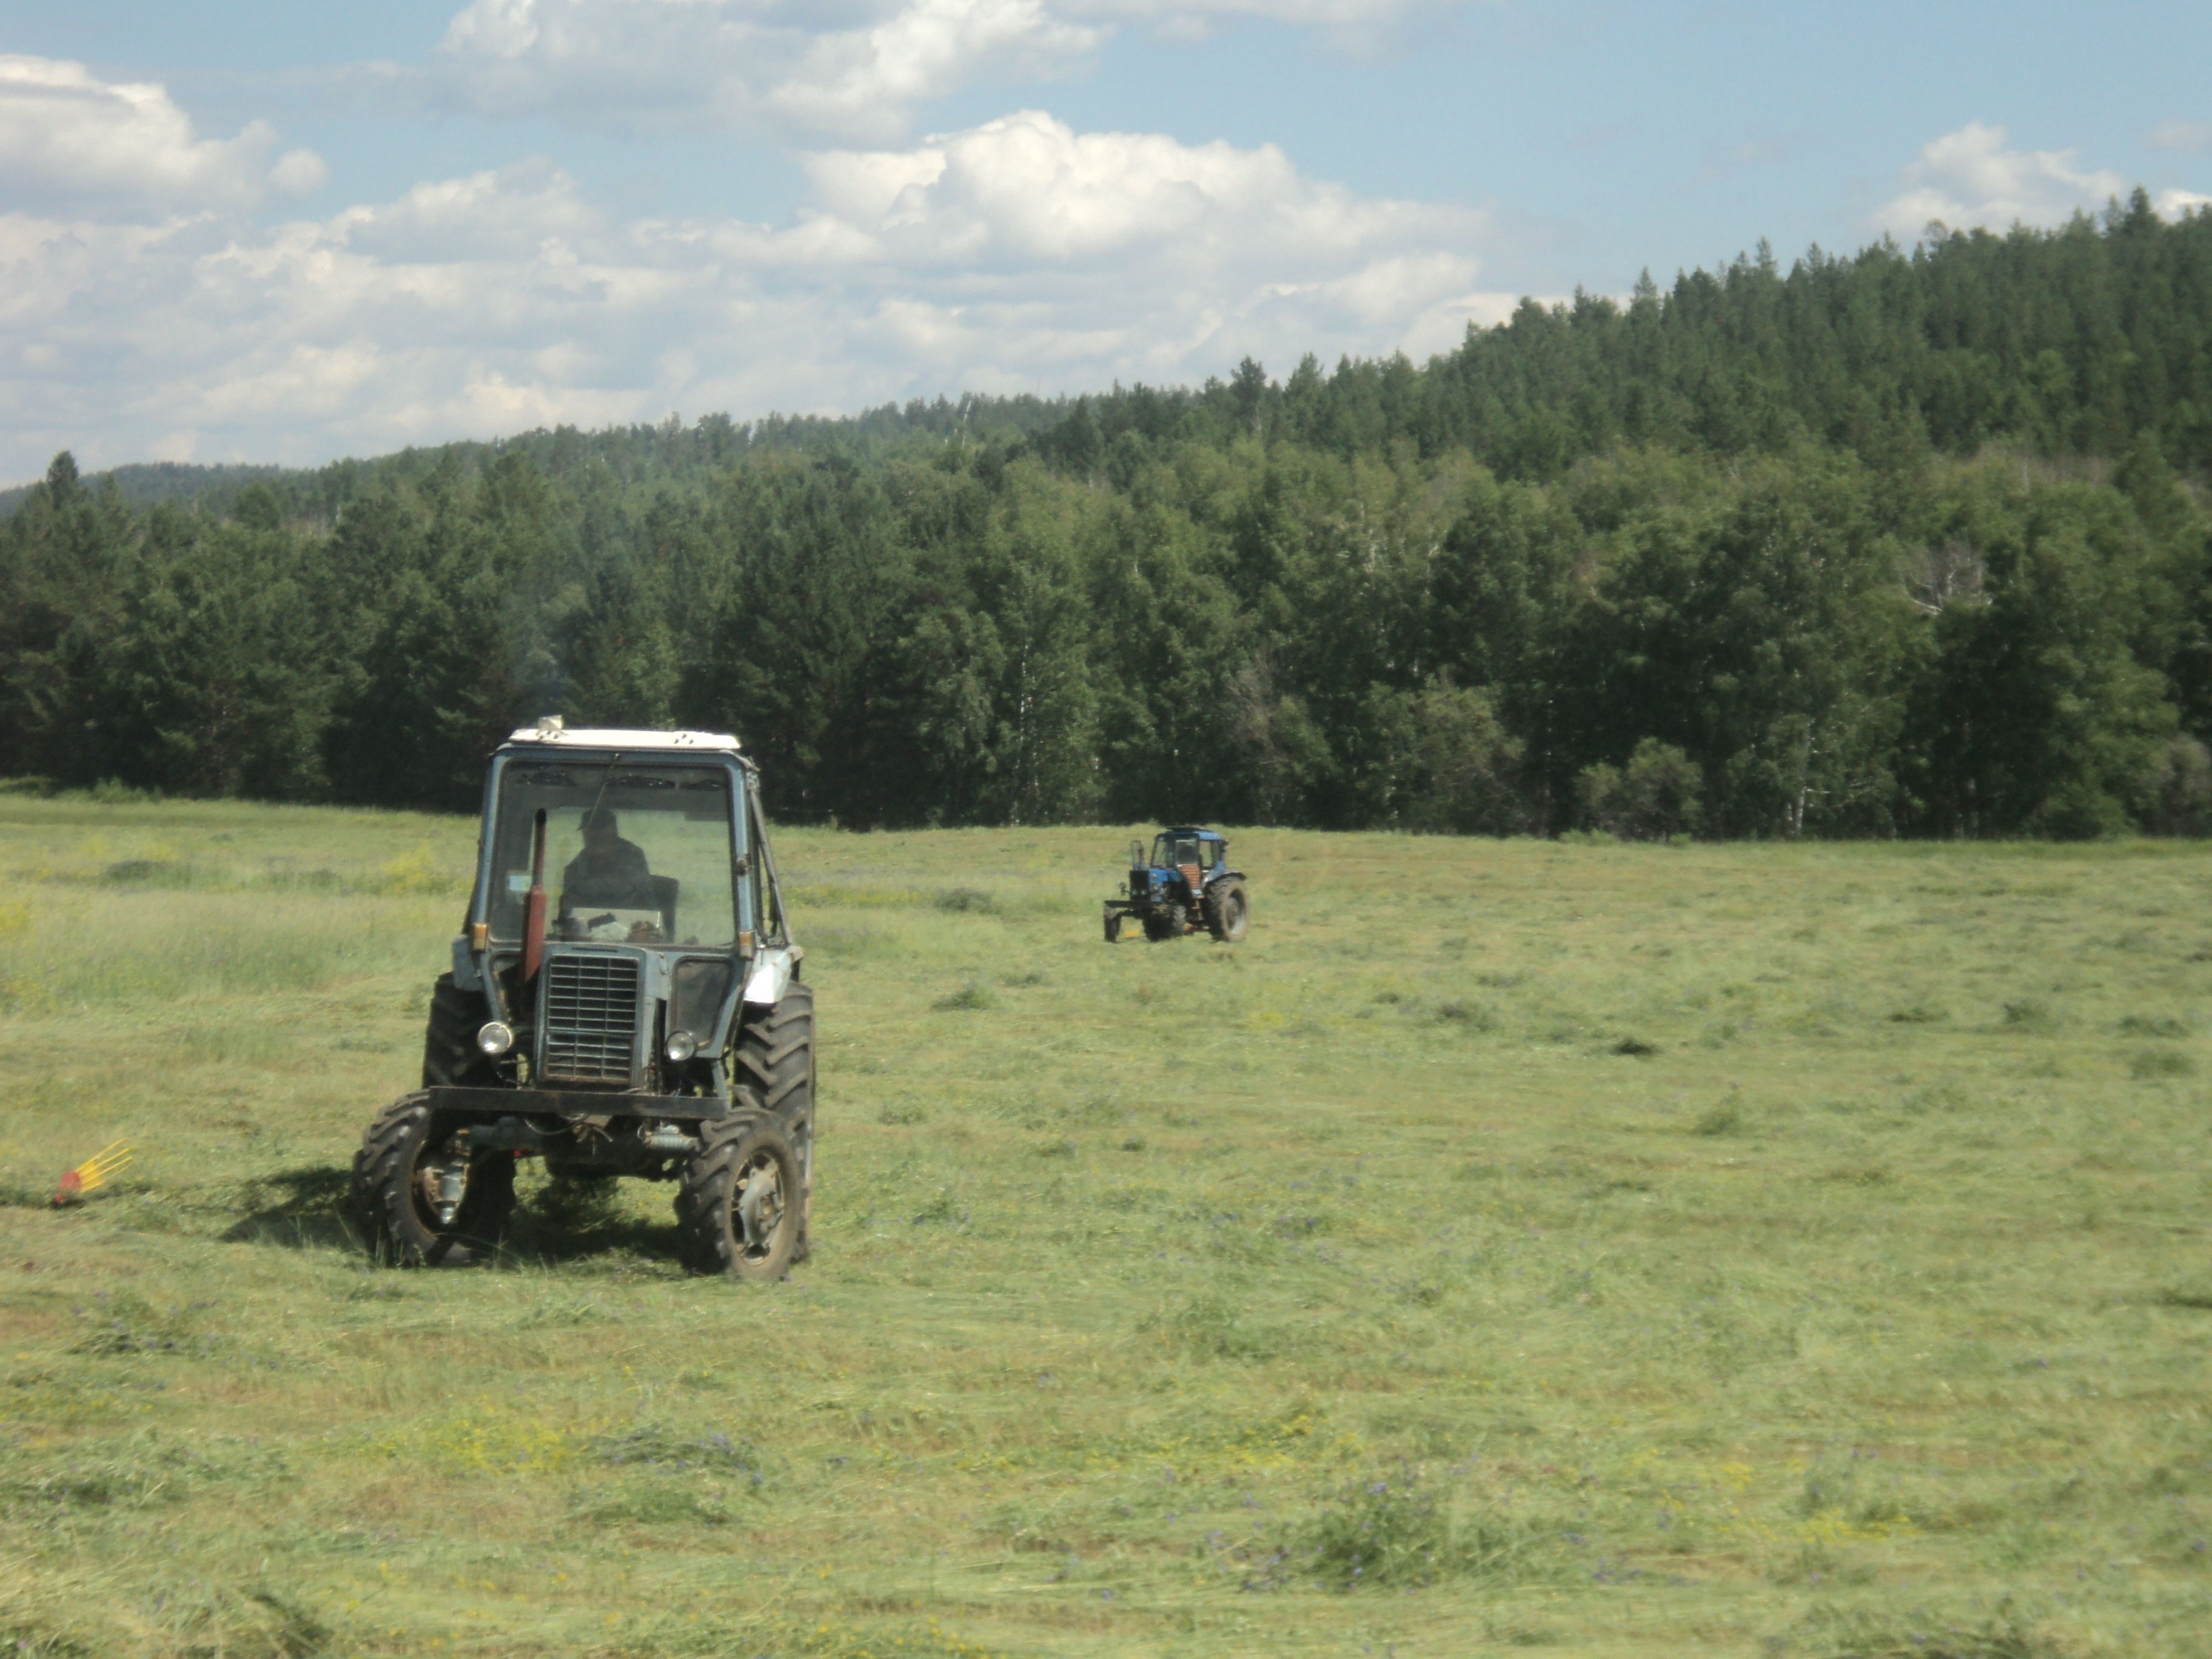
[669, 454]
[1897, 543]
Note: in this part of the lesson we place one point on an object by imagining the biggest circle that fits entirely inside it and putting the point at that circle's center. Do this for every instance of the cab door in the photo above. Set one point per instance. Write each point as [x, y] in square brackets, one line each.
[1189, 850]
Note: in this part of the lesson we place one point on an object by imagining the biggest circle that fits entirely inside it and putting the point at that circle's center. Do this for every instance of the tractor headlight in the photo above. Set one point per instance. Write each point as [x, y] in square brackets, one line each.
[680, 1046]
[496, 1038]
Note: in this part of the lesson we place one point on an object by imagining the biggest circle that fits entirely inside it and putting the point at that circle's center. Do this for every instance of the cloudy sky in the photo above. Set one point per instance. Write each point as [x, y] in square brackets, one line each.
[274, 232]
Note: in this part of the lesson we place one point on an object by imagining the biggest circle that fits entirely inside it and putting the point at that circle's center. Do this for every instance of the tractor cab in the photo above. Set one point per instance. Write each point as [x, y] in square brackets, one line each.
[1193, 855]
[623, 892]
[1185, 884]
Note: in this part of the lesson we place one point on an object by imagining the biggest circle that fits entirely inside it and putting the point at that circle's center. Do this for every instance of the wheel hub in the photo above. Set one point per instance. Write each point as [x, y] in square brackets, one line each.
[444, 1185]
[760, 1203]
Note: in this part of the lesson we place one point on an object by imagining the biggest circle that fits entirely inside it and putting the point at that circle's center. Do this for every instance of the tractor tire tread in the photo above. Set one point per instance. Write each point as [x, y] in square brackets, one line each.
[383, 1203]
[775, 1056]
[449, 1038]
[703, 1199]
[1215, 908]
[774, 1071]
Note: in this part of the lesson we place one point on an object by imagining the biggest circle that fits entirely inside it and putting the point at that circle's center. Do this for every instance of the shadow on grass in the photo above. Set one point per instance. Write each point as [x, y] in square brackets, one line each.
[309, 1213]
[561, 1223]
[16, 1196]
[585, 1223]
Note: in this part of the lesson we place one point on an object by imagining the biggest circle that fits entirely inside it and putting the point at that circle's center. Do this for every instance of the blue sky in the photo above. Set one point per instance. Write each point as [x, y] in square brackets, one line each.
[265, 232]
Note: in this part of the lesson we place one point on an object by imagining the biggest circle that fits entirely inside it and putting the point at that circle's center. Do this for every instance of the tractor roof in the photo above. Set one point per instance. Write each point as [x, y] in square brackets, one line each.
[1192, 830]
[552, 732]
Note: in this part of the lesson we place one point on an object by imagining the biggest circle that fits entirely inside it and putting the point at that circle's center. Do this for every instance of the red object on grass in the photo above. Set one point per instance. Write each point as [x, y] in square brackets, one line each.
[91, 1173]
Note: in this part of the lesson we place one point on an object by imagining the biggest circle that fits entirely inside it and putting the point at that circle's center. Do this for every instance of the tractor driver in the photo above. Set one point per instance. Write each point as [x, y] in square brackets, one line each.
[609, 873]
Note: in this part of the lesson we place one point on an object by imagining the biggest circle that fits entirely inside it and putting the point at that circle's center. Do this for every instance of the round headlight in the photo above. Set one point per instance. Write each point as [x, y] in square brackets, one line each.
[681, 1046]
[496, 1038]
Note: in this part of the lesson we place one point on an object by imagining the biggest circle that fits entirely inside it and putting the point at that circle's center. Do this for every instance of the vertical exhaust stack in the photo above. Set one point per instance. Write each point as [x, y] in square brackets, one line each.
[533, 910]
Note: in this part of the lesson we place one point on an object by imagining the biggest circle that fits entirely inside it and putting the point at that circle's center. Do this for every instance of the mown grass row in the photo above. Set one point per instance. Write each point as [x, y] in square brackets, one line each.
[1636, 1250]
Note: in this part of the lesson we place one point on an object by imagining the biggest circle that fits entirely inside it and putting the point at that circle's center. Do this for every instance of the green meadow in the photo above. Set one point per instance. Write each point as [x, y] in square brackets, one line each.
[1774, 1250]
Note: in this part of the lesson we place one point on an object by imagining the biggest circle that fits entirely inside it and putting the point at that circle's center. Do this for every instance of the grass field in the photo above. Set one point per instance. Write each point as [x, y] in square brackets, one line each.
[1763, 1250]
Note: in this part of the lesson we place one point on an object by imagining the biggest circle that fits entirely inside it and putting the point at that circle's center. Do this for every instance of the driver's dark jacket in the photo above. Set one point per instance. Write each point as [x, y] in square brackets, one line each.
[618, 879]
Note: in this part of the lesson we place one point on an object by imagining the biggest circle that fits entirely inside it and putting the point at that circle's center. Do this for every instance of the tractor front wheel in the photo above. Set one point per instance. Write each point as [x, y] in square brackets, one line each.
[773, 1064]
[421, 1198]
[737, 1211]
[1165, 923]
[1226, 911]
[1113, 928]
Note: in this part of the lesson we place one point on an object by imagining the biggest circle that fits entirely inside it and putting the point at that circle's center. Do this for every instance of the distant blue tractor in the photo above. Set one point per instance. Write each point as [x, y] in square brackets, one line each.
[1187, 884]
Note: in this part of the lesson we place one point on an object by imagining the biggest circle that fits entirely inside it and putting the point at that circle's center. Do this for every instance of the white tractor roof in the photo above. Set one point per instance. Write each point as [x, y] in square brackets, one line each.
[551, 731]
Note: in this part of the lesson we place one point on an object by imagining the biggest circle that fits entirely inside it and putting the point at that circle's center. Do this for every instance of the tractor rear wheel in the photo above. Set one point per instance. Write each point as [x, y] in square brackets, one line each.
[1165, 923]
[737, 1207]
[421, 1199]
[1227, 911]
[773, 1067]
[450, 1055]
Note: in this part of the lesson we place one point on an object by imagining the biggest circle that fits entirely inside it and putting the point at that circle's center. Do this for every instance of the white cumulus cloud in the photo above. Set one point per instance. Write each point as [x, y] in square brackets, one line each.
[1359, 28]
[2181, 135]
[1016, 255]
[851, 70]
[1026, 192]
[1968, 178]
[67, 137]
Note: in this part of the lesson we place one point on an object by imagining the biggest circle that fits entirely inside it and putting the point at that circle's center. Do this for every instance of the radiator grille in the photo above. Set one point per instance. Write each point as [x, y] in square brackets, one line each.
[590, 1018]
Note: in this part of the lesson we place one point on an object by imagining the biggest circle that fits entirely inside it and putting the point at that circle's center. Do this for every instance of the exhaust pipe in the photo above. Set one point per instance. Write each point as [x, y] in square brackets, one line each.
[533, 910]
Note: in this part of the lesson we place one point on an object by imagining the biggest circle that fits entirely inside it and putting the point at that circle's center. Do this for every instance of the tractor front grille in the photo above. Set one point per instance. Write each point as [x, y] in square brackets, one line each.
[590, 1018]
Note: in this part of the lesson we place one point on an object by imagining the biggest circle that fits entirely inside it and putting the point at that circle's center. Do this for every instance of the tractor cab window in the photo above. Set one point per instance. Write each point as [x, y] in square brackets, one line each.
[1209, 855]
[635, 853]
[1173, 852]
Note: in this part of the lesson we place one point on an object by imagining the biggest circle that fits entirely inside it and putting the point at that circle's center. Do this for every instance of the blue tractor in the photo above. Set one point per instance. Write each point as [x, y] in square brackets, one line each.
[1185, 886]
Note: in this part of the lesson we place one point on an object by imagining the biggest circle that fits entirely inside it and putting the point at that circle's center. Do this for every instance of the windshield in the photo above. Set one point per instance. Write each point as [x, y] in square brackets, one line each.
[636, 854]
[1173, 852]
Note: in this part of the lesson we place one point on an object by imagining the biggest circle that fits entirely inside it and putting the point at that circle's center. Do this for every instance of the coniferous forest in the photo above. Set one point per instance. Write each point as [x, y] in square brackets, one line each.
[1903, 543]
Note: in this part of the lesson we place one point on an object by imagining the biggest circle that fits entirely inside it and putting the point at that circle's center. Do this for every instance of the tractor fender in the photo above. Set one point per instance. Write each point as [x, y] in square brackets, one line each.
[771, 971]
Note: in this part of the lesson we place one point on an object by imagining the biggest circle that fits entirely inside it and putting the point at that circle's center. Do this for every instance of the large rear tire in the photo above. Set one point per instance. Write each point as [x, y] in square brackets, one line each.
[773, 1068]
[1227, 911]
[738, 1206]
[420, 1198]
[450, 1055]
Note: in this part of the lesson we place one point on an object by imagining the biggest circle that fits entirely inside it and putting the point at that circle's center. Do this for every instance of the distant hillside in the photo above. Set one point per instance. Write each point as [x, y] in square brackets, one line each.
[2078, 340]
[1902, 541]
[669, 453]
[142, 483]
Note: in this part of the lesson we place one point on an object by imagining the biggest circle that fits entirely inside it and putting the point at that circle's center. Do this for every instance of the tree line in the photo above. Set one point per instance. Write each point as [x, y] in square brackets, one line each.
[1901, 543]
